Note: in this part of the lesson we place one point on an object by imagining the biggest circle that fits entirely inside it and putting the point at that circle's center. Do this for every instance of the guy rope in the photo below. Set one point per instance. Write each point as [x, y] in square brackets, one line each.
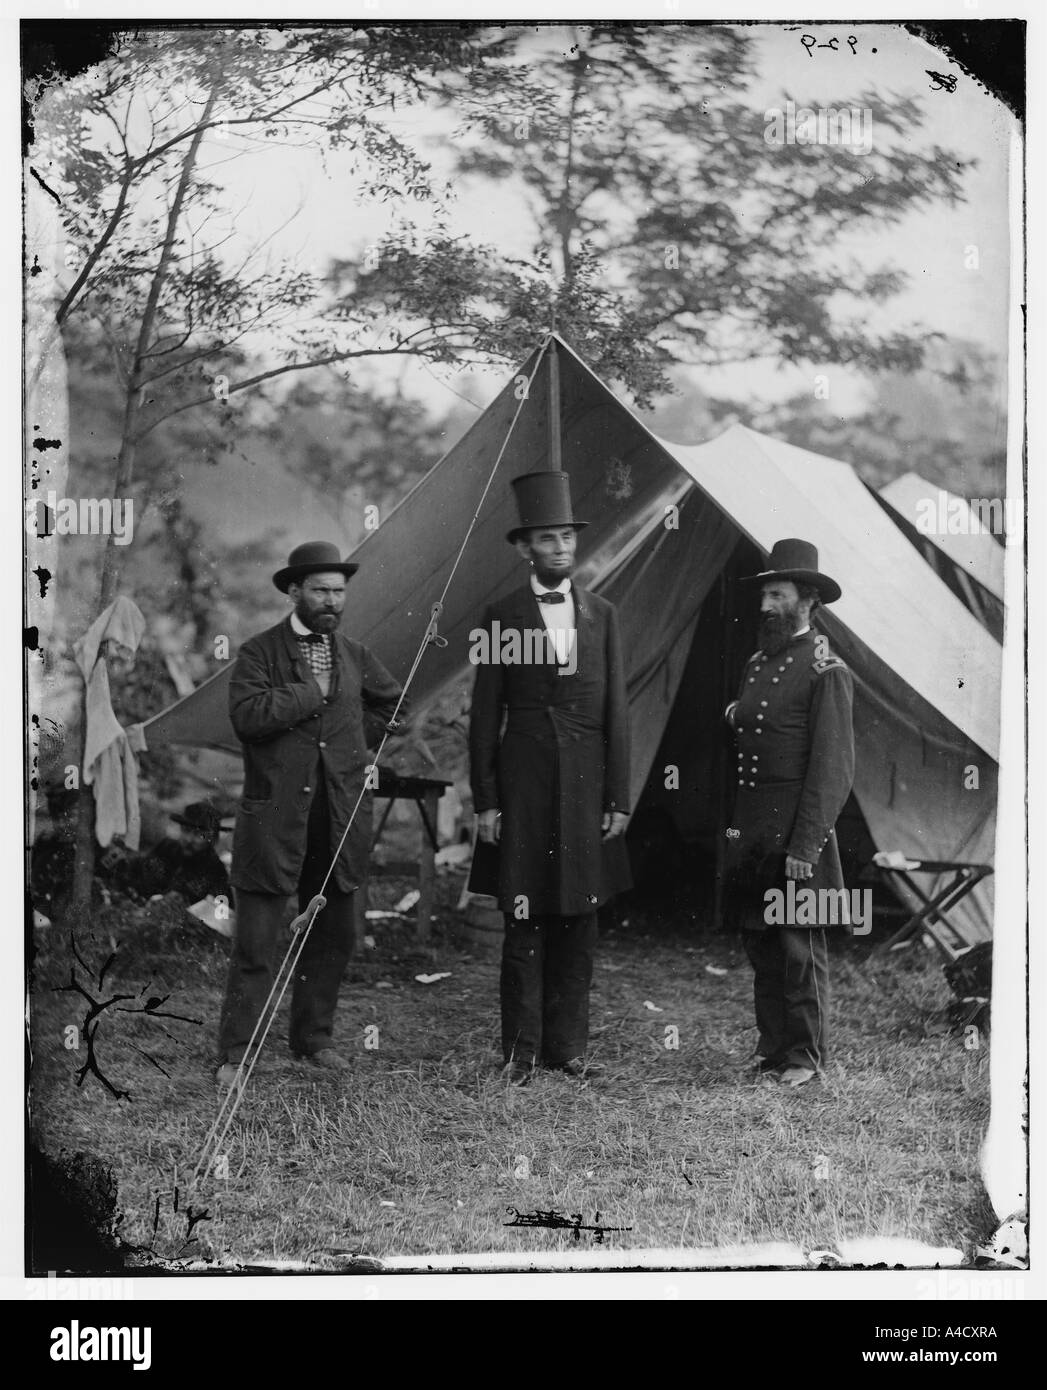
[302, 924]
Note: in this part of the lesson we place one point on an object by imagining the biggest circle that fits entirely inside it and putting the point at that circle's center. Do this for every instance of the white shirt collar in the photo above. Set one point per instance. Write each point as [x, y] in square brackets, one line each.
[299, 628]
[564, 586]
[802, 631]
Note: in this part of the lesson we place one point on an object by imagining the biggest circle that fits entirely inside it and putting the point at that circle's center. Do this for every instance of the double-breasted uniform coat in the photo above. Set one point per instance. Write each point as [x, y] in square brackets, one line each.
[550, 751]
[794, 763]
[305, 766]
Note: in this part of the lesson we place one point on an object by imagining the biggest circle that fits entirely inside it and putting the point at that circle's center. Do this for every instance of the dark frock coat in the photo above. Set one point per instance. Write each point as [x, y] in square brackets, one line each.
[560, 762]
[795, 768]
[290, 732]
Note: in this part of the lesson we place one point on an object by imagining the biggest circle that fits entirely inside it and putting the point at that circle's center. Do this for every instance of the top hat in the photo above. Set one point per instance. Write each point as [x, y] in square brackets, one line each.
[314, 557]
[798, 561]
[543, 499]
[200, 815]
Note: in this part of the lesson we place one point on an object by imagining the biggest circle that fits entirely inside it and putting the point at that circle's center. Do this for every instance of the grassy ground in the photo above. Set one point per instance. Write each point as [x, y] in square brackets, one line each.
[423, 1149]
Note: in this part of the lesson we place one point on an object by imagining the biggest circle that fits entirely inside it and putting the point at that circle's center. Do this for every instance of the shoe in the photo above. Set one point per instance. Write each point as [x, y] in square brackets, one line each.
[794, 1077]
[518, 1074]
[327, 1059]
[765, 1066]
[225, 1076]
[580, 1069]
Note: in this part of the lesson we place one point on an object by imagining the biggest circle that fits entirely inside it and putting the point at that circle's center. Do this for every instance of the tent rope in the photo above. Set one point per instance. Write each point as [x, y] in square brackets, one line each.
[302, 924]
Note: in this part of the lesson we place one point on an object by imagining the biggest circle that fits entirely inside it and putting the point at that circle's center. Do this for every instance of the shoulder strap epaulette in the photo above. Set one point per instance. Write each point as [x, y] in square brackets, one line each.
[828, 663]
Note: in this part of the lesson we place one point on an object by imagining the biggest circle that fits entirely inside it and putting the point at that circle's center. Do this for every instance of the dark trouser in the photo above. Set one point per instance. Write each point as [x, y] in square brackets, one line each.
[318, 974]
[791, 992]
[547, 968]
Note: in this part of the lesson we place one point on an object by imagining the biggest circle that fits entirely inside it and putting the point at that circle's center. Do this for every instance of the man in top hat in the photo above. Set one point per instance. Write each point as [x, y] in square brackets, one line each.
[795, 765]
[552, 787]
[298, 699]
[188, 865]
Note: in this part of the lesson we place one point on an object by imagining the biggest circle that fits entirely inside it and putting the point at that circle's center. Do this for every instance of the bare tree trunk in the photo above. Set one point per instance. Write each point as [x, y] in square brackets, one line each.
[125, 463]
[566, 214]
[83, 869]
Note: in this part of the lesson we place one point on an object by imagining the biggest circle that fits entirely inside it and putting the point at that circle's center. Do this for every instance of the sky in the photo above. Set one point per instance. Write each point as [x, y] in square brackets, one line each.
[931, 246]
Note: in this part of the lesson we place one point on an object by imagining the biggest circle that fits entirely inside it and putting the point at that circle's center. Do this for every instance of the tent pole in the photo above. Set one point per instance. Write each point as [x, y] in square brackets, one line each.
[722, 801]
[555, 450]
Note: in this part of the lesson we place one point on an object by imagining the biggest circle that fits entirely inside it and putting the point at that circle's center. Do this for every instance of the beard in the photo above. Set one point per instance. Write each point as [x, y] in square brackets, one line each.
[775, 632]
[319, 622]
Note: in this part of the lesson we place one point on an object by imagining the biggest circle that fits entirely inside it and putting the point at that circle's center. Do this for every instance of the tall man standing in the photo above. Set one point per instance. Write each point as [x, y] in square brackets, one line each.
[553, 786]
[795, 751]
[298, 698]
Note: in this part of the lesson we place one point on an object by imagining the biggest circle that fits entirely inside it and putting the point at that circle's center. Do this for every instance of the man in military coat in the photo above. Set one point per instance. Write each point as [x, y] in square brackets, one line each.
[298, 699]
[551, 787]
[795, 766]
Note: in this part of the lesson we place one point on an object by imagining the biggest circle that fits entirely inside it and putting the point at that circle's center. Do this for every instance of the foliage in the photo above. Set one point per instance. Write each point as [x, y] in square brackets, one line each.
[646, 168]
[945, 421]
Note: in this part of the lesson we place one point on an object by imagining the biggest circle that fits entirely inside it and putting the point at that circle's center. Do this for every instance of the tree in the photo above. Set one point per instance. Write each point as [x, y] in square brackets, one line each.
[121, 150]
[946, 421]
[646, 163]
[356, 447]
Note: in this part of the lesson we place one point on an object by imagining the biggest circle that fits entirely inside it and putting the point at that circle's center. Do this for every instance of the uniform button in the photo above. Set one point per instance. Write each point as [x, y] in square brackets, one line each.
[751, 679]
[763, 703]
[321, 745]
[741, 781]
[740, 729]
[755, 757]
[307, 789]
[774, 680]
[788, 661]
[752, 784]
[759, 731]
[781, 668]
[759, 716]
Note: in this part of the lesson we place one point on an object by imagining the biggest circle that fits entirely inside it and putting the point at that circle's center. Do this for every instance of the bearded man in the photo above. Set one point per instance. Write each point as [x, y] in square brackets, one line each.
[299, 696]
[795, 764]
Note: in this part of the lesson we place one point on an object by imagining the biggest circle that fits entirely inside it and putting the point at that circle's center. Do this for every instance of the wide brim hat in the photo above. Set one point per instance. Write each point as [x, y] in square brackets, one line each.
[797, 560]
[200, 815]
[543, 499]
[313, 557]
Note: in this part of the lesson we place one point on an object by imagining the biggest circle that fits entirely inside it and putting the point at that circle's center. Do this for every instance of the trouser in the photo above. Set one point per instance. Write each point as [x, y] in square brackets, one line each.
[547, 969]
[791, 993]
[318, 974]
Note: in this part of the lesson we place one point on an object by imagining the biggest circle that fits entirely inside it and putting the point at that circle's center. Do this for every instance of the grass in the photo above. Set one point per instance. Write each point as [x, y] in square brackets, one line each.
[423, 1150]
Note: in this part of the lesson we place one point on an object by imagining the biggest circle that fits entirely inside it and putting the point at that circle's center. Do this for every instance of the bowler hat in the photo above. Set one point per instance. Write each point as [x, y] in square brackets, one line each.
[797, 560]
[314, 557]
[200, 815]
[543, 499]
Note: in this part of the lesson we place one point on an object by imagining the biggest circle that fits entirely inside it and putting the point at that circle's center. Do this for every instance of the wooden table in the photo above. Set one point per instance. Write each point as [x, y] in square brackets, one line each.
[425, 792]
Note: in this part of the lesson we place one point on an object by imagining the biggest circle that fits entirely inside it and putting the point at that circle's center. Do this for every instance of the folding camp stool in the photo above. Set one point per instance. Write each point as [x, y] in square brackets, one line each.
[933, 914]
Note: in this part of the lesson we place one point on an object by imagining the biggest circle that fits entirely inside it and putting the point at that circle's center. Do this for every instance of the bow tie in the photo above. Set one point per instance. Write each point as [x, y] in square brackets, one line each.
[554, 597]
[311, 637]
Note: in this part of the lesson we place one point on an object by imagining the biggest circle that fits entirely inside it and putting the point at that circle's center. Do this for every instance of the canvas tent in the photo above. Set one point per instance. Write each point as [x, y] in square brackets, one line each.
[961, 549]
[670, 530]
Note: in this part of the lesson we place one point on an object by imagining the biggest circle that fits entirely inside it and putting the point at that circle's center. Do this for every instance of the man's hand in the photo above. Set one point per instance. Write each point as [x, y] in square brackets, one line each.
[490, 826]
[614, 823]
[797, 868]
